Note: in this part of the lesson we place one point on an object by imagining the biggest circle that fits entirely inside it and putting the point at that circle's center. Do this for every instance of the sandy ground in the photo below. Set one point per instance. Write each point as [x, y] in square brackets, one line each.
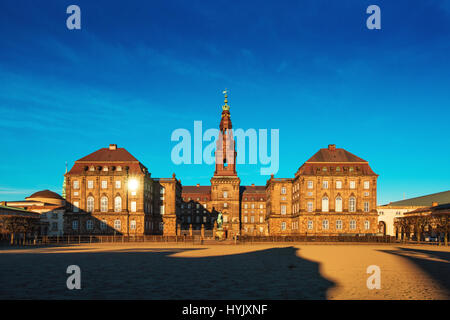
[180, 271]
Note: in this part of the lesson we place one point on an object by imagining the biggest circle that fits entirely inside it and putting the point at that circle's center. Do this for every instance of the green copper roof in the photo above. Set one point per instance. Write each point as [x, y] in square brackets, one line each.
[425, 201]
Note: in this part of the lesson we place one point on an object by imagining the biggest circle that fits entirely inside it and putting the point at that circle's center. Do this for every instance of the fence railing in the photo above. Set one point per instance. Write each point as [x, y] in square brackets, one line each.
[198, 239]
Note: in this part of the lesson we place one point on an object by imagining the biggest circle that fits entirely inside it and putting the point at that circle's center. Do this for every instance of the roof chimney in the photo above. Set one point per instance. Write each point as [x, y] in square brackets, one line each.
[198, 185]
[331, 147]
[434, 204]
[253, 184]
[112, 146]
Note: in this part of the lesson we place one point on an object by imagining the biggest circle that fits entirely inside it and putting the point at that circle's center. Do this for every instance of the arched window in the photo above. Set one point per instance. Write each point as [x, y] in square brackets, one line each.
[104, 204]
[90, 204]
[118, 204]
[325, 204]
[352, 204]
[338, 204]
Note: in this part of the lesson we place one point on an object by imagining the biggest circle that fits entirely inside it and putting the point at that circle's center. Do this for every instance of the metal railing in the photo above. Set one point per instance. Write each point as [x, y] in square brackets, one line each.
[198, 239]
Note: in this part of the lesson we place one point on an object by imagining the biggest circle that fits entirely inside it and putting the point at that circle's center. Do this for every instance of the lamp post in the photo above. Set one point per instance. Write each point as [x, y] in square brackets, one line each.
[133, 185]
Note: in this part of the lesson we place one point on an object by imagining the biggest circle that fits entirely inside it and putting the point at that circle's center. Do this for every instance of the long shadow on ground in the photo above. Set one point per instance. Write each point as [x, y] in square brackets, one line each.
[276, 273]
[435, 263]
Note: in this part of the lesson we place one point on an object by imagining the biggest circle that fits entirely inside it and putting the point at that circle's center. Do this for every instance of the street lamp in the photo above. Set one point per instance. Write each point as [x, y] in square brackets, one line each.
[133, 184]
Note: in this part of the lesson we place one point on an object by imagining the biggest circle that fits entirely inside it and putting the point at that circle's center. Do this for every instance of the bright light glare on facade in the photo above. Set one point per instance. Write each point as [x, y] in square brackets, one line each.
[133, 184]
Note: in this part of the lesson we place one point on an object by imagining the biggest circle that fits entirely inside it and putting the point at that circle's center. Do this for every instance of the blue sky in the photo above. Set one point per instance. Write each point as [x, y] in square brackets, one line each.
[137, 70]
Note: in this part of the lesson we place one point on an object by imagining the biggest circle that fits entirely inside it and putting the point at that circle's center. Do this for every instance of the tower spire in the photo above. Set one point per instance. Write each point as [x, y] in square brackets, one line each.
[225, 106]
[225, 149]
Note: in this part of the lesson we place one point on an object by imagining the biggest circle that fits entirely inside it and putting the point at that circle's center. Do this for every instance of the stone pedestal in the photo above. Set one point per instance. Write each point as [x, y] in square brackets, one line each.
[220, 234]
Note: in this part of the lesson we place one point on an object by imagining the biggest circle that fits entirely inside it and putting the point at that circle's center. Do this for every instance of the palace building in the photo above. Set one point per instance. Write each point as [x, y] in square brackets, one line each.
[110, 191]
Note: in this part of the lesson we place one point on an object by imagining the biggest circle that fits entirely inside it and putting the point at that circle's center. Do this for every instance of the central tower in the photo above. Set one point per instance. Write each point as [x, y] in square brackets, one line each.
[225, 183]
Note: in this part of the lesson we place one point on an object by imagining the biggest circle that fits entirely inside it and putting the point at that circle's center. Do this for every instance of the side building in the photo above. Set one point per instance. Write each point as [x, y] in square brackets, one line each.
[389, 212]
[49, 205]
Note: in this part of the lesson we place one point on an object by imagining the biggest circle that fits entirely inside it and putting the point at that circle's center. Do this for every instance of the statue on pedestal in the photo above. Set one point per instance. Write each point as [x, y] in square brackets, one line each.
[219, 221]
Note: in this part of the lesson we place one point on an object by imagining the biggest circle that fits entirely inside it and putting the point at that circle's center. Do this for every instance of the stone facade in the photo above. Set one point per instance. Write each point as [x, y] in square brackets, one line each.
[111, 192]
[334, 192]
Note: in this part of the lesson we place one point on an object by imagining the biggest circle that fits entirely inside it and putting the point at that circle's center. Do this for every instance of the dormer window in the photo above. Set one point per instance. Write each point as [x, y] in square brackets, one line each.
[338, 169]
[91, 168]
[119, 168]
[105, 168]
[324, 169]
[351, 169]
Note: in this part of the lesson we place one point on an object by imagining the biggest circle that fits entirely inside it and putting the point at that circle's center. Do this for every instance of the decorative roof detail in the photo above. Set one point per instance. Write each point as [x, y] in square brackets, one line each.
[45, 194]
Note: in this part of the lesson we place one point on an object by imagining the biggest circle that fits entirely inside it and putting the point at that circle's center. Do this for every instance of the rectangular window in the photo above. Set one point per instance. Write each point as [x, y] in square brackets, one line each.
[366, 206]
[76, 206]
[245, 219]
[252, 219]
[310, 206]
[75, 225]
[325, 224]
[133, 224]
[352, 224]
[366, 184]
[283, 209]
[310, 225]
[103, 225]
[89, 225]
[339, 224]
[283, 226]
[310, 184]
[76, 184]
[162, 209]
[325, 184]
[117, 224]
[283, 190]
[90, 184]
[118, 184]
[261, 219]
[133, 206]
[104, 184]
[352, 185]
[338, 184]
